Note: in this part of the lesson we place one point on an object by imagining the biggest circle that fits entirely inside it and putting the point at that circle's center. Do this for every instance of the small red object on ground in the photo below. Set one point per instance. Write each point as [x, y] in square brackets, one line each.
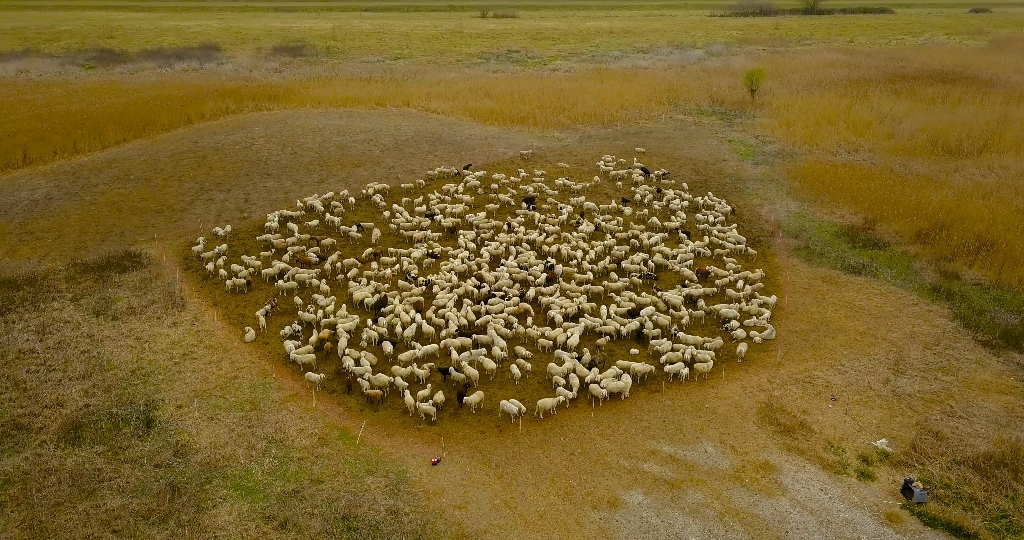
[436, 460]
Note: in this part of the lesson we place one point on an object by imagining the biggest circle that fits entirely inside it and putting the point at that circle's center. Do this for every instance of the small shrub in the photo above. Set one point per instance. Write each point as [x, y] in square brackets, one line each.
[874, 457]
[863, 10]
[894, 517]
[484, 13]
[980, 9]
[292, 50]
[753, 79]
[841, 464]
[506, 14]
[865, 473]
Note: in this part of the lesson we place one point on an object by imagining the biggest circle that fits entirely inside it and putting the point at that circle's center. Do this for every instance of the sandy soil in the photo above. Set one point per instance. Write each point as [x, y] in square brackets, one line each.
[693, 461]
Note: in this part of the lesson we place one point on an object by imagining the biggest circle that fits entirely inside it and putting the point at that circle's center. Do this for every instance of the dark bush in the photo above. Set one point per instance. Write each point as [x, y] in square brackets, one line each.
[750, 8]
[768, 9]
[205, 52]
[293, 50]
[980, 9]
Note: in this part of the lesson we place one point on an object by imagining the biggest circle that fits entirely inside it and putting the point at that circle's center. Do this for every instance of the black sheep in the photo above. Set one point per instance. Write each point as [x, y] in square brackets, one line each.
[460, 396]
[646, 171]
[625, 201]
[445, 371]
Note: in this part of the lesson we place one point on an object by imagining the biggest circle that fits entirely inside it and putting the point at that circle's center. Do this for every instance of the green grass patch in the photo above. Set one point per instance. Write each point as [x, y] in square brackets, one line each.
[101, 427]
[742, 148]
[995, 314]
[865, 473]
[838, 459]
[721, 114]
[957, 527]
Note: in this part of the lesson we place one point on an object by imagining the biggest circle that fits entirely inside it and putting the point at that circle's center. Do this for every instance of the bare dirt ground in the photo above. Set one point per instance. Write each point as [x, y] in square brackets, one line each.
[696, 461]
[227, 171]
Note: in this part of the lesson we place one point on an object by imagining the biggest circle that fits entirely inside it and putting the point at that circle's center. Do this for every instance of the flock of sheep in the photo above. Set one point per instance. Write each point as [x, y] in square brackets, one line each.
[466, 276]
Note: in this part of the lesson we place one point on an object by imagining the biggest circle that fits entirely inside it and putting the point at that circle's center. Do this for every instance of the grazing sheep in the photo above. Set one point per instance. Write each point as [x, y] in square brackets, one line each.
[474, 400]
[546, 405]
[410, 402]
[703, 368]
[679, 369]
[597, 392]
[565, 394]
[424, 409]
[374, 396]
[462, 265]
[516, 374]
[315, 378]
[303, 359]
[423, 394]
[508, 408]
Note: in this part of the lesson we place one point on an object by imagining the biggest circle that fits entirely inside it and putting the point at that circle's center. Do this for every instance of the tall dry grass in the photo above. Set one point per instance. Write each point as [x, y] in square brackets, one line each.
[949, 219]
[927, 141]
[58, 118]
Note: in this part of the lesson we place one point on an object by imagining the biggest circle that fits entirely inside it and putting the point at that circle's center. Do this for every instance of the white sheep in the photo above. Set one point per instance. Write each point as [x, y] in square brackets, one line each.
[547, 404]
[508, 408]
[250, 335]
[567, 394]
[315, 378]
[410, 402]
[679, 369]
[423, 394]
[474, 400]
[424, 409]
[597, 392]
[704, 368]
[514, 371]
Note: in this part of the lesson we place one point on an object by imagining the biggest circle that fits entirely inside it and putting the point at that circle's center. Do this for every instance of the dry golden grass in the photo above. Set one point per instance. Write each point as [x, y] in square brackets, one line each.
[926, 142]
[551, 35]
[47, 126]
[128, 413]
[894, 517]
[949, 219]
[937, 129]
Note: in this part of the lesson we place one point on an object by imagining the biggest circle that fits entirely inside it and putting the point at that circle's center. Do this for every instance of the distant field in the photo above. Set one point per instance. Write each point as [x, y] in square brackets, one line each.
[543, 36]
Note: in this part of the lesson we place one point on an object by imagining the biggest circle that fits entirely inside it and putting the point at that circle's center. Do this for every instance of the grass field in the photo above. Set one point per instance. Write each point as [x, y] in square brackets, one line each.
[547, 36]
[885, 148]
